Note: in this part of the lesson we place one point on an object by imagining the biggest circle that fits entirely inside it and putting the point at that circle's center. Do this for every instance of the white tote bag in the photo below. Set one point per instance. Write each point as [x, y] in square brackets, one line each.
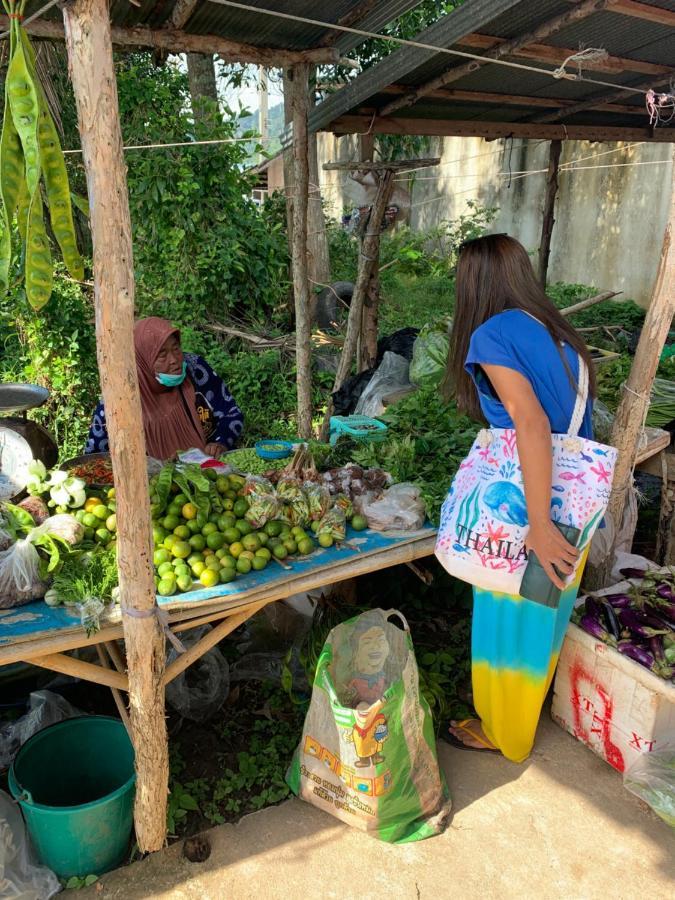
[481, 538]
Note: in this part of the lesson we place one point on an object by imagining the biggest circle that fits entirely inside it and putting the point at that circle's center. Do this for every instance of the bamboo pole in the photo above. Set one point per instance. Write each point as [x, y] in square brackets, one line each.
[589, 301]
[548, 220]
[117, 695]
[88, 40]
[303, 345]
[368, 260]
[632, 411]
[79, 668]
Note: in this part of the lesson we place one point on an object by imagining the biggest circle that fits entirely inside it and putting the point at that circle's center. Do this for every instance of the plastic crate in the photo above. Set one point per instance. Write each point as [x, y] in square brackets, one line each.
[360, 428]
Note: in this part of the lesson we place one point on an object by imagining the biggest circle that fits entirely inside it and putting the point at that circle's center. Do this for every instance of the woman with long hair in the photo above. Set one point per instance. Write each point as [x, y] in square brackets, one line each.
[514, 362]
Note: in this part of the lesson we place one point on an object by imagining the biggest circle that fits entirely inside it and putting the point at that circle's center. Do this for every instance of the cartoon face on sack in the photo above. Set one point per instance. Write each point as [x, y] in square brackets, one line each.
[371, 652]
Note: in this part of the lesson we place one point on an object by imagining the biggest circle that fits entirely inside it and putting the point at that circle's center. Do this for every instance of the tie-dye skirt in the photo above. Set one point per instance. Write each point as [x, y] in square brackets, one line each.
[515, 645]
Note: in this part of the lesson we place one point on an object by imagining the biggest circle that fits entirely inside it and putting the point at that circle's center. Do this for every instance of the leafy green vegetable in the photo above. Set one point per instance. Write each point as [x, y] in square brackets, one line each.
[84, 576]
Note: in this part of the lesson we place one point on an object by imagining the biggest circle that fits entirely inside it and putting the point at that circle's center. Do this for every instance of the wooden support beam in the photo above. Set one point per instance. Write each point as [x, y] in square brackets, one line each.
[630, 416]
[505, 48]
[303, 323]
[450, 94]
[601, 99]
[589, 301]
[182, 12]
[174, 40]
[90, 57]
[368, 259]
[646, 12]
[548, 220]
[546, 53]
[117, 695]
[356, 14]
[78, 668]
[192, 654]
[353, 124]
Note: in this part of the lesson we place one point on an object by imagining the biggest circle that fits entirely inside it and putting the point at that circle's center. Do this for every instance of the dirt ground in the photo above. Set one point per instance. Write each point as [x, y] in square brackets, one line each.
[561, 825]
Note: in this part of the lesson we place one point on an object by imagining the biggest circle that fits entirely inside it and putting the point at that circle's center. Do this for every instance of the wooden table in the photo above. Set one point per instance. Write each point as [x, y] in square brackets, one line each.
[42, 635]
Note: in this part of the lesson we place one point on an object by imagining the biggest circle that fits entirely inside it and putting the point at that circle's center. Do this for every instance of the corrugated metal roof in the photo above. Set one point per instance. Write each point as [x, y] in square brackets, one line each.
[259, 29]
[620, 35]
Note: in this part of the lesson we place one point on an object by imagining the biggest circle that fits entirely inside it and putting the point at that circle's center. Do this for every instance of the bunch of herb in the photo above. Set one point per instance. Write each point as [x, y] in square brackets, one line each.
[86, 575]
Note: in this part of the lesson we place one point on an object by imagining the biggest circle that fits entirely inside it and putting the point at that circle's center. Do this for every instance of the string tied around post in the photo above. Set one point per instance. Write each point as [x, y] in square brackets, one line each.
[163, 619]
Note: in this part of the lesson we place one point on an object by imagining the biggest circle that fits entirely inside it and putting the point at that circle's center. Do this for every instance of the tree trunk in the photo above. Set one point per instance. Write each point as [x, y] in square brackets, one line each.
[368, 261]
[632, 411]
[548, 220]
[370, 324]
[318, 253]
[203, 90]
[289, 174]
[87, 27]
[303, 345]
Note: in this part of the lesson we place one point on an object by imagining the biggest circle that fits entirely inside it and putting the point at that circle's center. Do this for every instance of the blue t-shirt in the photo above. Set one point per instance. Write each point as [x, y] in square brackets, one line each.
[515, 340]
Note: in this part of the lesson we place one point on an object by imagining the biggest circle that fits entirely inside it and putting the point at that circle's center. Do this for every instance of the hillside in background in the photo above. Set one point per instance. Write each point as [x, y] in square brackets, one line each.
[275, 126]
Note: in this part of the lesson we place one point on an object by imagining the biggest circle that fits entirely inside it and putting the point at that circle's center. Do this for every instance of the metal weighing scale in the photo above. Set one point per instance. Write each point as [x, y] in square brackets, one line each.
[21, 440]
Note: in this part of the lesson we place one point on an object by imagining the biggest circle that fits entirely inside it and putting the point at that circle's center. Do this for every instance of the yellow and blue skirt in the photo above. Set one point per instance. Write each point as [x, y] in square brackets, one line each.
[515, 645]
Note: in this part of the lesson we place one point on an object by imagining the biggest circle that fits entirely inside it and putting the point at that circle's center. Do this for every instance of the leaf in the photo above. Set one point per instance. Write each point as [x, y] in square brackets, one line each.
[90, 879]
[163, 485]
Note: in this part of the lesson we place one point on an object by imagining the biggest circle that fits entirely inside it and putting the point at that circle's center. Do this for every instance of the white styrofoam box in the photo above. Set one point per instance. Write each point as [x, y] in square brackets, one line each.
[614, 705]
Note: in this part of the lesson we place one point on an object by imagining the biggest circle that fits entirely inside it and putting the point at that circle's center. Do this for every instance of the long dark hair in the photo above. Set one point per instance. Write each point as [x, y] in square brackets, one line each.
[494, 274]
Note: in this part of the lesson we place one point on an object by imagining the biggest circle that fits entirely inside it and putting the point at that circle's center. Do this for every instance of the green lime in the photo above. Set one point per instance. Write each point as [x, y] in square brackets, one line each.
[181, 549]
[101, 512]
[228, 505]
[272, 529]
[236, 549]
[232, 535]
[209, 528]
[182, 532]
[228, 561]
[263, 538]
[213, 518]
[240, 508]
[315, 526]
[221, 552]
[198, 568]
[180, 499]
[326, 540]
[181, 570]
[170, 522]
[194, 526]
[251, 542]
[222, 484]
[175, 509]
[258, 563]
[189, 511]
[227, 575]
[226, 521]
[158, 533]
[280, 551]
[89, 520]
[164, 569]
[263, 553]
[103, 535]
[184, 583]
[359, 523]
[209, 577]
[197, 542]
[201, 520]
[166, 587]
[306, 546]
[244, 526]
[161, 556]
[215, 540]
[243, 565]
[291, 546]
[214, 564]
[193, 558]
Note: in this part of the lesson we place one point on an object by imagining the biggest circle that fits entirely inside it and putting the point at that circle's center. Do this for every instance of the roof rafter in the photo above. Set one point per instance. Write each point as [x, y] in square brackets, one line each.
[505, 48]
[176, 41]
[557, 55]
[645, 11]
[182, 12]
[358, 124]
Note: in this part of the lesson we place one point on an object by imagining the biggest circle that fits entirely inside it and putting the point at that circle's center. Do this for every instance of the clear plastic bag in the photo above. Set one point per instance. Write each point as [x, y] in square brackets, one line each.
[198, 693]
[20, 575]
[430, 355]
[391, 375]
[652, 779]
[21, 877]
[44, 709]
[399, 508]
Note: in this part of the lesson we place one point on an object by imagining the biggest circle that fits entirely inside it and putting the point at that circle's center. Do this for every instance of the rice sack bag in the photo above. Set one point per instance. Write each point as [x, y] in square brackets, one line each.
[368, 753]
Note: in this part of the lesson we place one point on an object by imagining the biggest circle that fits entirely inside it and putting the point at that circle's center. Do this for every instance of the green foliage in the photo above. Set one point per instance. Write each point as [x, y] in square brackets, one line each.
[55, 348]
[76, 882]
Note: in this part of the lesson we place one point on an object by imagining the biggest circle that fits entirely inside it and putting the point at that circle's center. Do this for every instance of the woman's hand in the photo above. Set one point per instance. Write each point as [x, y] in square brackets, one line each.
[215, 450]
[552, 549]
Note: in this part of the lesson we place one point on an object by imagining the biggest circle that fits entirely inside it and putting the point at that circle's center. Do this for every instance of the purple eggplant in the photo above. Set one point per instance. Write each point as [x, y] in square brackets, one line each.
[656, 648]
[593, 607]
[619, 601]
[637, 654]
[633, 573]
[656, 614]
[596, 629]
[610, 617]
[666, 592]
[640, 623]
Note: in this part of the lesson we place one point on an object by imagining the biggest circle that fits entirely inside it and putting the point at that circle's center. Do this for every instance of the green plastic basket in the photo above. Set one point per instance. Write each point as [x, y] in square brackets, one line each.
[359, 428]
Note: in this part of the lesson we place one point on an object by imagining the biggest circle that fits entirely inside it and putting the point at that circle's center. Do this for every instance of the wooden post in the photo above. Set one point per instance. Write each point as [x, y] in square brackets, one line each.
[88, 40]
[368, 258]
[549, 209]
[303, 345]
[318, 252]
[630, 416]
[370, 316]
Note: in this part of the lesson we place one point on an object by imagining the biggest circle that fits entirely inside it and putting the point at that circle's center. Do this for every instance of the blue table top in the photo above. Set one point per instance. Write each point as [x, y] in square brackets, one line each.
[26, 623]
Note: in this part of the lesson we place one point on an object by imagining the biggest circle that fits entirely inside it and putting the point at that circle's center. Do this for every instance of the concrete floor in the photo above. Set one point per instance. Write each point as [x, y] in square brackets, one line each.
[561, 825]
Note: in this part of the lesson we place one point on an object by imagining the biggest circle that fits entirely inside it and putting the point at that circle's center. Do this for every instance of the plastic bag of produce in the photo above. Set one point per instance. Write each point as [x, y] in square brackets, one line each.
[263, 501]
[391, 376]
[430, 355]
[21, 876]
[652, 779]
[399, 508]
[333, 523]
[318, 499]
[20, 580]
[199, 692]
[367, 754]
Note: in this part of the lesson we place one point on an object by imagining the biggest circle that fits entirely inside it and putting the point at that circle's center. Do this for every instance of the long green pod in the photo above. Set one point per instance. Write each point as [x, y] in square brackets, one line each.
[25, 108]
[11, 178]
[55, 174]
[22, 207]
[39, 264]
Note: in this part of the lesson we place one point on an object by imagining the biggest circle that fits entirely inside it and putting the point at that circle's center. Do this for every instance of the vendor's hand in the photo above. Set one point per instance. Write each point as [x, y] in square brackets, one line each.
[215, 450]
[552, 549]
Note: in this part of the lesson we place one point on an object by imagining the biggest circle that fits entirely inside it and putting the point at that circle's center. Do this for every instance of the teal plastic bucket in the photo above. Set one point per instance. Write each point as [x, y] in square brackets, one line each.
[75, 783]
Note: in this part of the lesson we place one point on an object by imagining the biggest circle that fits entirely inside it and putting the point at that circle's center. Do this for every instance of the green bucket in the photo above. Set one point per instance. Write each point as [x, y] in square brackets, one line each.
[75, 784]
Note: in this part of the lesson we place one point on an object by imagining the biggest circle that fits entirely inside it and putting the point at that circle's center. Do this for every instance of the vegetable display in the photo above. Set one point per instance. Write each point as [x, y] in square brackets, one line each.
[639, 623]
[30, 154]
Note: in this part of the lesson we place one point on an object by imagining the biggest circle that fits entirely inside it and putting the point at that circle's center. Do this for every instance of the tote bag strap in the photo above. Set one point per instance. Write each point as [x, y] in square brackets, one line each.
[582, 398]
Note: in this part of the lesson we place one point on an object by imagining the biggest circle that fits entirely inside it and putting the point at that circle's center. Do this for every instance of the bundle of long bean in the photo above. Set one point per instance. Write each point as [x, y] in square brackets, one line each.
[662, 403]
[30, 152]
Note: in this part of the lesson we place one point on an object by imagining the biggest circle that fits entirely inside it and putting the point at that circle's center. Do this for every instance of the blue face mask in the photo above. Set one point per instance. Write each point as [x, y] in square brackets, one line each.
[172, 380]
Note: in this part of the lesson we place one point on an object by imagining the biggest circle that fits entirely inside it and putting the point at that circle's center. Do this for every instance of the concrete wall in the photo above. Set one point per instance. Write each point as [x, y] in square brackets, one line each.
[609, 221]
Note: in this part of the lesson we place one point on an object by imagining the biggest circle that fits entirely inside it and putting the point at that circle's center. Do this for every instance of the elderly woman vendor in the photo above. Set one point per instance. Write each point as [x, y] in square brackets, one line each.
[185, 404]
